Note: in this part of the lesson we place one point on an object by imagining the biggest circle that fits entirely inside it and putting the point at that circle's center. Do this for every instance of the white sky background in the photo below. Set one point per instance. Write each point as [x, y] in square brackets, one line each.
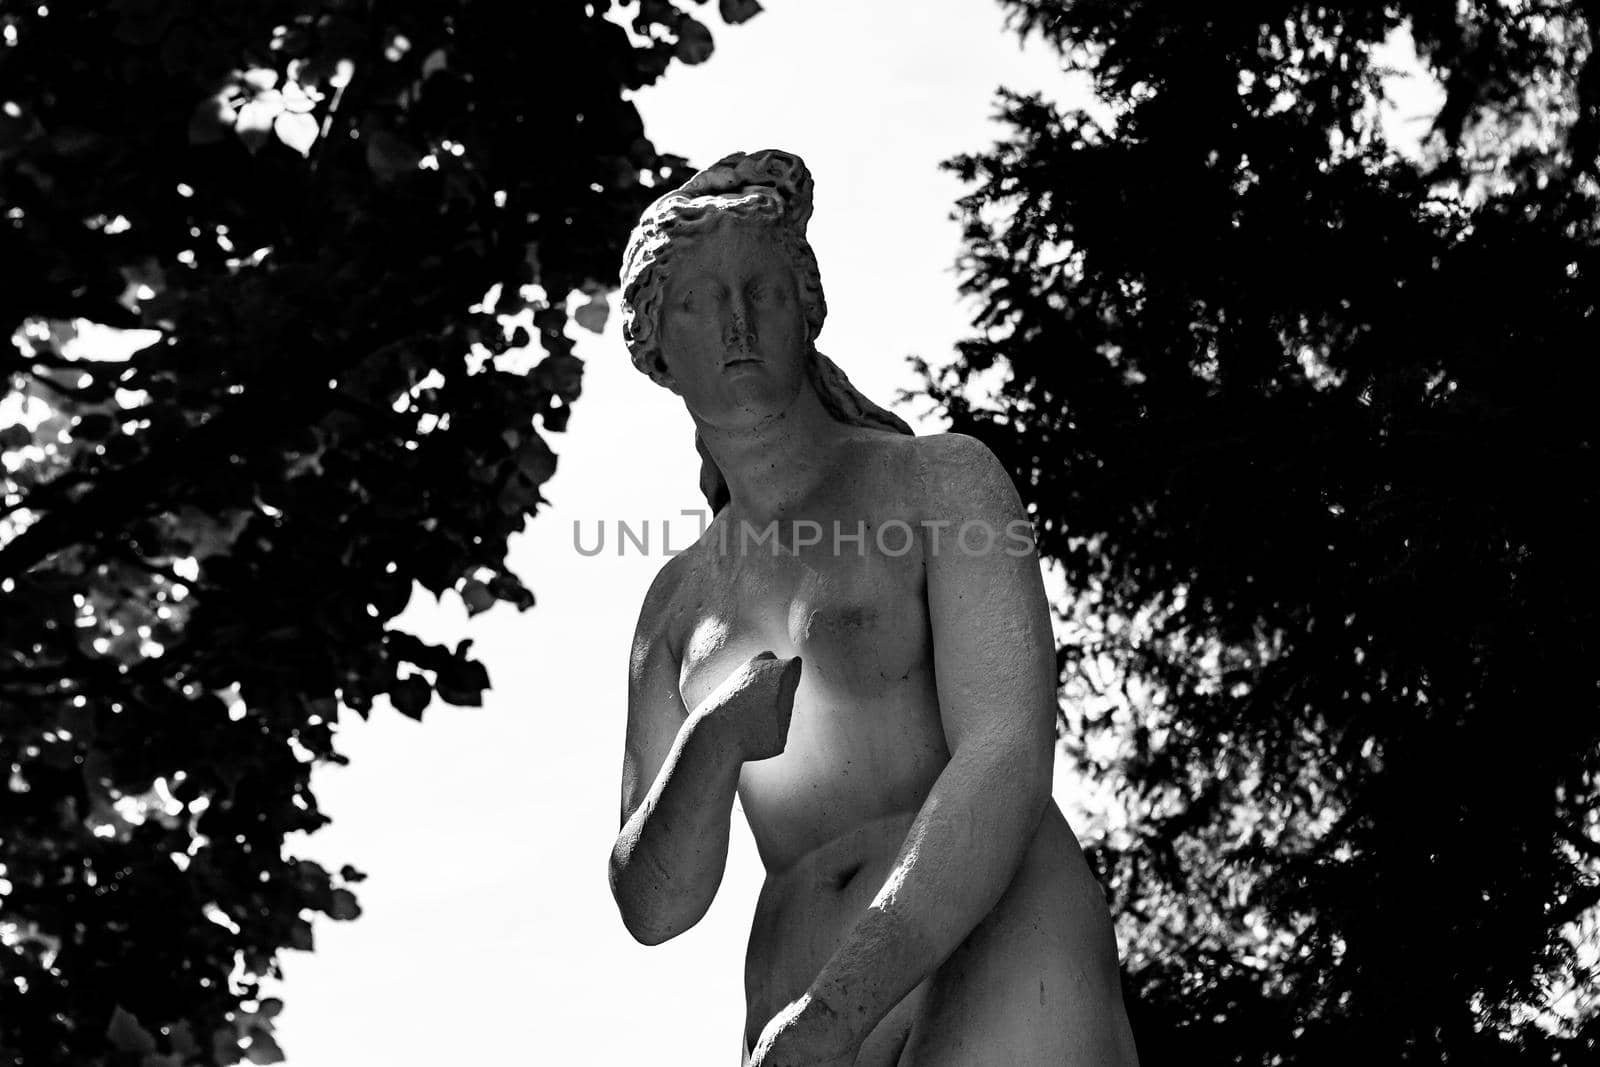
[489, 934]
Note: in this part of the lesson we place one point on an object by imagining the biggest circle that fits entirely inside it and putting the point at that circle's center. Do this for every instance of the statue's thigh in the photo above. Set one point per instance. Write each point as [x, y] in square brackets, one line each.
[1021, 1012]
[884, 1046]
[992, 1016]
[1010, 995]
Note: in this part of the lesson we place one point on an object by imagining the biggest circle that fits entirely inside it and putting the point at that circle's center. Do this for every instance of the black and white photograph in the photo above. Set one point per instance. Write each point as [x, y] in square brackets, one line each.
[973, 533]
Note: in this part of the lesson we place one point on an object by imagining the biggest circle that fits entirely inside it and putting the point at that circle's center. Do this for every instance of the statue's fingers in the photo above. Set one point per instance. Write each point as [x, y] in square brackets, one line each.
[789, 681]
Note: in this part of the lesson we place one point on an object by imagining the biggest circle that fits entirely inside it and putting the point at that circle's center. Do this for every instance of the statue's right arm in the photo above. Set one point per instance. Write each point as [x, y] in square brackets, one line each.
[680, 774]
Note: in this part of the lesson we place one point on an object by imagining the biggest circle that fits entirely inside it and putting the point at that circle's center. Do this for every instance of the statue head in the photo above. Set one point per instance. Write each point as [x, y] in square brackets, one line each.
[766, 196]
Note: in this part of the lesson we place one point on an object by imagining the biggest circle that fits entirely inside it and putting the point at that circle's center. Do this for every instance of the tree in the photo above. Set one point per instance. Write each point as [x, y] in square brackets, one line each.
[203, 539]
[1306, 425]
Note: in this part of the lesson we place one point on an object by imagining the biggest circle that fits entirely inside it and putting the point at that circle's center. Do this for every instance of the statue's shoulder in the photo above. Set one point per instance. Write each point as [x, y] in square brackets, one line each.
[950, 449]
[894, 455]
[958, 474]
[935, 473]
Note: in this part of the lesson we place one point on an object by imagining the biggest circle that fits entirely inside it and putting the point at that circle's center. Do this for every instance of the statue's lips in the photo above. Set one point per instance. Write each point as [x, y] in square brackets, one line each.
[741, 361]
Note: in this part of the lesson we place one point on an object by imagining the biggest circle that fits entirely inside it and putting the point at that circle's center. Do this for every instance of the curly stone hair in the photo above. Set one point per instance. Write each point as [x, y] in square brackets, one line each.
[770, 188]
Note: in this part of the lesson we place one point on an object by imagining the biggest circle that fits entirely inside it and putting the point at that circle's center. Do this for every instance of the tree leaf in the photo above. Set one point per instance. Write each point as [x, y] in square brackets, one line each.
[592, 315]
[737, 11]
[127, 1035]
[477, 597]
[562, 375]
[694, 43]
[411, 696]
[535, 459]
[300, 936]
[263, 1048]
[261, 79]
[14, 437]
[462, 683]
[509, 588]
[345, 906]
[298, 131]
[256, 118]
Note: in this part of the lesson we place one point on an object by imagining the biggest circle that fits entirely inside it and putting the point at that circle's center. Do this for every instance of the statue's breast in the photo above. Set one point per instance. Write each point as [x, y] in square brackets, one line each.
[859, 623]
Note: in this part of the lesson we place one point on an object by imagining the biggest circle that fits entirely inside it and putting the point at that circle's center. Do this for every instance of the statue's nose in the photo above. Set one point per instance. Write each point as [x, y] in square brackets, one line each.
[738, 332]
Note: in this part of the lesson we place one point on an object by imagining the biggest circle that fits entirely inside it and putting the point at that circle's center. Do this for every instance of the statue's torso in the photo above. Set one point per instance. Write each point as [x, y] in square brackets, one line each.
[865, 740]
[865, 743]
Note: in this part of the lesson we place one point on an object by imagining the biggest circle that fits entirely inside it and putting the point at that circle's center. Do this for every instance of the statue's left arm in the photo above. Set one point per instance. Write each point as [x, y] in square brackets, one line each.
[994, 662]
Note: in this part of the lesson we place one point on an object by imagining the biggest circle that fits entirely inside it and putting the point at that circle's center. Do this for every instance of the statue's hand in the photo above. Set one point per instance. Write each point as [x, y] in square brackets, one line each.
[806, 1033]
[753, 706]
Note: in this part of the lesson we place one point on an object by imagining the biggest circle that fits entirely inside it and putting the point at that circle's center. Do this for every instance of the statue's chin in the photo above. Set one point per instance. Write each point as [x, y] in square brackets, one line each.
[753, 397]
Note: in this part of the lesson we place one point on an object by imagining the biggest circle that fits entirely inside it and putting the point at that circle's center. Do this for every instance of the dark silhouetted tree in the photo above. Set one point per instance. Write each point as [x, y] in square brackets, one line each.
[201, 542]
[1307, 424]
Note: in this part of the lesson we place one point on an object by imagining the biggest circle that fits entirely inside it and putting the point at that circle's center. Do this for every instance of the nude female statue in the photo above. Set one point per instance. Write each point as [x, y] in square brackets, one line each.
[882, 704]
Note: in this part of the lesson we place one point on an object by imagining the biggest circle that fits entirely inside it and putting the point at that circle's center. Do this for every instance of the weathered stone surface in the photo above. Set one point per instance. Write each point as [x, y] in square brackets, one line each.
[859, 646]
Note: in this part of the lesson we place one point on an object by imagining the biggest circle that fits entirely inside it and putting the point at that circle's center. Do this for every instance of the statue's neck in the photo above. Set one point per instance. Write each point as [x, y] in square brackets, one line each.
[772, 468]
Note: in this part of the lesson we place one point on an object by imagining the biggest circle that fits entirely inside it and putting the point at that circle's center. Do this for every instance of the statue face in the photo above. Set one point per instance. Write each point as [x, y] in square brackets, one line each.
[733, 331]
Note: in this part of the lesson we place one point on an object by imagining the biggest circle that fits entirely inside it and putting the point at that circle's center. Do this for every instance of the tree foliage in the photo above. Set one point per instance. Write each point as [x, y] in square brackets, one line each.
[204, 533]
[1306, 422]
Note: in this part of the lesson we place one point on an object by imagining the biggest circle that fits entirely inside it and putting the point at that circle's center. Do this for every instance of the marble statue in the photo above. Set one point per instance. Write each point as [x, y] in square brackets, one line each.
[859, 650]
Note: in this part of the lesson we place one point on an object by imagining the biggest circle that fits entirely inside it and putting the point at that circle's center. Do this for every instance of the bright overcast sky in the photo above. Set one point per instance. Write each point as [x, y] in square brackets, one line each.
[489, 935]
